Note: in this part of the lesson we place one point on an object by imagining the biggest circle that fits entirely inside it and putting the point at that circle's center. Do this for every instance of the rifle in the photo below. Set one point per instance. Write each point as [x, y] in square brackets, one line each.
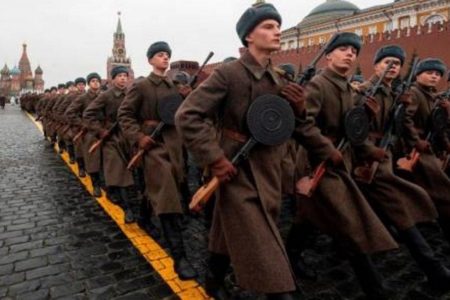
[102, 140]
[438, 123]
[195, 77]
[366, 174]
[138, 156]
[308, 184]
[310, 70]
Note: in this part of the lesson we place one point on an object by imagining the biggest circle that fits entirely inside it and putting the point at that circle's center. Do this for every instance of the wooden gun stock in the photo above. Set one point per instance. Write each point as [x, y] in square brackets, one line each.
[95, 146]
[79, 135]
[308, 184]
[65, 129]
[136, 159]
[203, 194]
[408, 163]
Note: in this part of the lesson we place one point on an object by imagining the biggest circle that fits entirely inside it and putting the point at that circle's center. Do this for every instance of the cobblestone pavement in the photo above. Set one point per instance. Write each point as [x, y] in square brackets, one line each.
[55, 241]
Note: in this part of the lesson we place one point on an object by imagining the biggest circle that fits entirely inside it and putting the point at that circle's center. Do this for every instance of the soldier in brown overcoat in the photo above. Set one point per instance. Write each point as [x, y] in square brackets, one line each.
[244, 229]
[428, 172]
[49, 116]
[75, 153]
[74, 115]
[101, 118]
[58, 118]
[163, 160]
[338, 206]
[402, 203]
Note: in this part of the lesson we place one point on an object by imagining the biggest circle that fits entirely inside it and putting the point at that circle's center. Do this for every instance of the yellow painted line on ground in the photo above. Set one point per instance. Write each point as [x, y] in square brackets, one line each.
[147, 246]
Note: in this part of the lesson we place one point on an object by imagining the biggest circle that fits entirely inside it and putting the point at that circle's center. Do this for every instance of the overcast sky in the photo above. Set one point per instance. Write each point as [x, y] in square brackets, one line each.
[70, 38]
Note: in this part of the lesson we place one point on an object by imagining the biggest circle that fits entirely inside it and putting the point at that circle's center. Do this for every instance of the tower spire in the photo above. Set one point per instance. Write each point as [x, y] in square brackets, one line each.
[119, 24]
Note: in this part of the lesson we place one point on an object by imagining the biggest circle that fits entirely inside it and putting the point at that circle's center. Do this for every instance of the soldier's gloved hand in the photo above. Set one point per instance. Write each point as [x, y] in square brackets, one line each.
[379, 154]
[223, 169]
[423, 146]
[185, 90]
[372, 106]
[103, 134]
[295, 95]
[336, 158]
[145, 142]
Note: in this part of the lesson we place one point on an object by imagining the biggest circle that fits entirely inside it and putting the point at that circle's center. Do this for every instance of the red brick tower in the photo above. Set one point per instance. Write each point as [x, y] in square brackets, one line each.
[26, 75]
[119, 54]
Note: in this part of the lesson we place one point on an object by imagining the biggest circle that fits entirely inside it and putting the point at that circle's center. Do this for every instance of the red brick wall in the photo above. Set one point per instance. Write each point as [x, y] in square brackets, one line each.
[433, 42]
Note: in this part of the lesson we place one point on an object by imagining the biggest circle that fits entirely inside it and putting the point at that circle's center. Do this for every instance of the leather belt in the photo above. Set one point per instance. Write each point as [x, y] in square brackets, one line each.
[234, 135]
[151, 123]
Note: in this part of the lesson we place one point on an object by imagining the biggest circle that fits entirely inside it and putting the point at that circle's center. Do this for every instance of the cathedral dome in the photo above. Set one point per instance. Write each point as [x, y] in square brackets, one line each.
[38, 70]
[15, 71]
[331, 9]
[5, 70]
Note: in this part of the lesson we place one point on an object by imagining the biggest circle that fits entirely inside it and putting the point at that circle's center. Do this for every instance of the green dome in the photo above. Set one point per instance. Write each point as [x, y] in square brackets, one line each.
[15, 71]
[331, 9]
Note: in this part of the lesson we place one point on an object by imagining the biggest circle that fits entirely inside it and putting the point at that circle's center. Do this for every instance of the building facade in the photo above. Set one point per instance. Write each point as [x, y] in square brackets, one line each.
[20, 78]
[339, 15]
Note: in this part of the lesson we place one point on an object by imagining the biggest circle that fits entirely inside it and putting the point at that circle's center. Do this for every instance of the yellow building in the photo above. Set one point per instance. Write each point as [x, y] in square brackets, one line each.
[339, 15]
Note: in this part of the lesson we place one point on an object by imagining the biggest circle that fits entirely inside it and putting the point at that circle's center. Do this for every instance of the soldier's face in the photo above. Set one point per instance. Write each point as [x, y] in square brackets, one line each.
[121, 80]
[160, 61]
[265, 36]
[429, 78]
[393, 72]
[81, 86]
[342, 58]
[94, 84]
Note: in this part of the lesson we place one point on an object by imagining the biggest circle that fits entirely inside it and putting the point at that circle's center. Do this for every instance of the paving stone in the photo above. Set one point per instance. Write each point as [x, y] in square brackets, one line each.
[17, 240]
[24, 287]
[68, 289]
[5, 259]
[7, 280]
[31, 263]
[36, 295]
[25, 246]
[6, 269]
[46, 271]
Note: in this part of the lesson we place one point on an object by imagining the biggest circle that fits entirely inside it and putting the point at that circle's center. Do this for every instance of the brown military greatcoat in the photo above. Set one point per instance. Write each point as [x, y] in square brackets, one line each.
[338, 206]
[402, 202]
[115, 149]
[427, 172]
[163, 163]
[74, 115]
[244, 224]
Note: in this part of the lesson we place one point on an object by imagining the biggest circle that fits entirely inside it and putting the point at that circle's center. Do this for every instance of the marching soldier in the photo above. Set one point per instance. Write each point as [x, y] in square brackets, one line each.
[338, 207]
[403, 204]
[427, 171]
[74, 115]
[58, 119]
[244, 229]
[75, 154]
[2, 101]
[163, 160]
[50, 123]
[115, 149]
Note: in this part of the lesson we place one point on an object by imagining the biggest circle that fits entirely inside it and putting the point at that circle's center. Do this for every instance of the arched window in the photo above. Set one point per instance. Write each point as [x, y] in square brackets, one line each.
[434, 19]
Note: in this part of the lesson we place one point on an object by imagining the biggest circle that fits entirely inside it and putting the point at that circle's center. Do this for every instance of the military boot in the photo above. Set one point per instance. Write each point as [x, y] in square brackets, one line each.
[81, 169]
[172, 233]
[369, 278]
[96, 184]
[218, 265]
[437, 274]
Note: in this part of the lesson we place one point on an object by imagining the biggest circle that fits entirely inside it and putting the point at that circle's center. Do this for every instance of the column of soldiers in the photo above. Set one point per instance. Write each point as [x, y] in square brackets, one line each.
[359, 198]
